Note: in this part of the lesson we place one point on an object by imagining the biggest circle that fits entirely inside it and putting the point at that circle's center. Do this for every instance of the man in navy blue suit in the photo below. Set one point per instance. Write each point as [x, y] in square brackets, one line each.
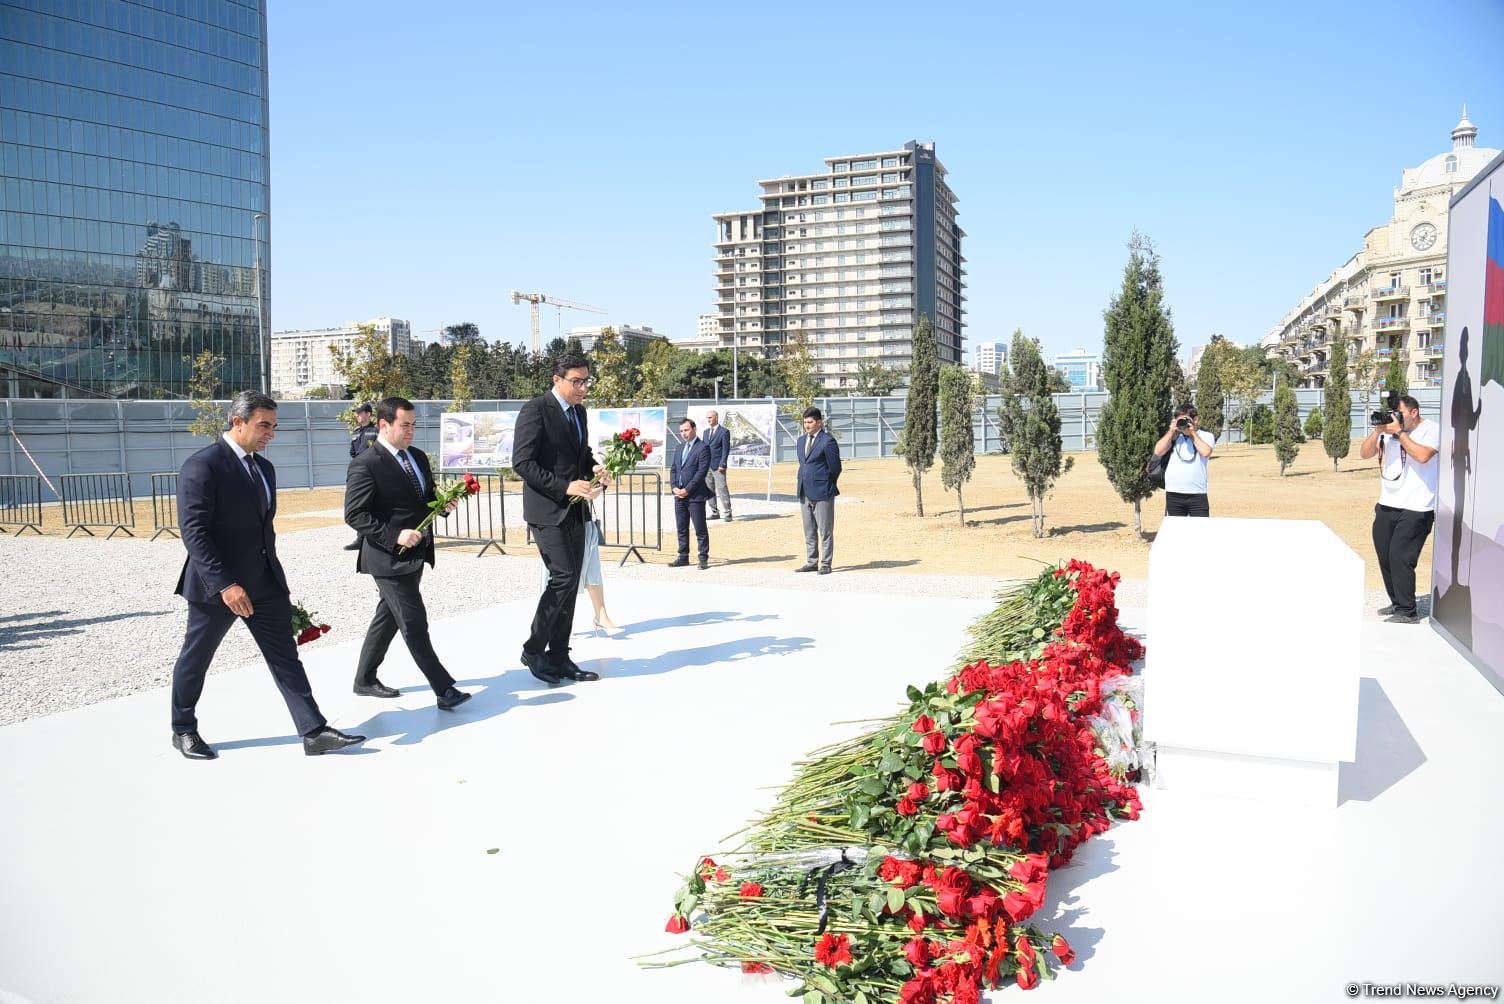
[227, 500]
[686, 476]
[819, 470]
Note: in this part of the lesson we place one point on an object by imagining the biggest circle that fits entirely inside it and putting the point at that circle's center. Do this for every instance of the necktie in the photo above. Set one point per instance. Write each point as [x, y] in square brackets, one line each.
[258, 481]
[412, 475]
[579, 426]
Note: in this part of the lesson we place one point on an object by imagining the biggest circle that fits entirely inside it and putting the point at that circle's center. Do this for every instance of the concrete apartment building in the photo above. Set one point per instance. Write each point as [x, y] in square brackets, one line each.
[1391, 297]
[850, 257]
[301, 360]
[631, 336]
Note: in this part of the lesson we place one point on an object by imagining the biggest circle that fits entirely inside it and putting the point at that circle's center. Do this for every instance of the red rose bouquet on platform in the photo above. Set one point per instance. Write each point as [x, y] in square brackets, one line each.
[623, 454]
[304, 627]
[444, 497]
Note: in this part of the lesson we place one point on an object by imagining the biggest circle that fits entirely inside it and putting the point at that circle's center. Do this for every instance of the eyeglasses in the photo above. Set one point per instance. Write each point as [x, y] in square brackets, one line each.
[581, 381]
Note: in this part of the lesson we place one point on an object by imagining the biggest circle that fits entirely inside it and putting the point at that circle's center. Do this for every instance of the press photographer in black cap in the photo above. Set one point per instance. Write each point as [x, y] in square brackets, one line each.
[364, 438]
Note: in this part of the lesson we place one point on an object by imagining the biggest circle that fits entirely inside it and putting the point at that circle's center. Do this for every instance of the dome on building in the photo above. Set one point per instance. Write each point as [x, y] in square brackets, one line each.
[1454, 168]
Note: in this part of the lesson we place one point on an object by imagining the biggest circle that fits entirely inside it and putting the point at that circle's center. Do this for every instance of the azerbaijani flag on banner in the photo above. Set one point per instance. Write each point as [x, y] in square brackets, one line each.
[1493, 299]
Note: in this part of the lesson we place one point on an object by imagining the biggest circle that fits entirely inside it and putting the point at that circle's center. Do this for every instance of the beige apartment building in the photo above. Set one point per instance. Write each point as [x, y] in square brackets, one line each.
[301, 360]
[1390, 297]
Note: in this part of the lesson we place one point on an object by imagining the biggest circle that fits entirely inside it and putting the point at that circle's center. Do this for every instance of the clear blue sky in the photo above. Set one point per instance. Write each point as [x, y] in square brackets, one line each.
[426, 160]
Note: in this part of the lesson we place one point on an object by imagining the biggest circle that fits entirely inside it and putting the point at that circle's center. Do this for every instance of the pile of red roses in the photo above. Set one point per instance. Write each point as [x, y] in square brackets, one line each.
[986, 783]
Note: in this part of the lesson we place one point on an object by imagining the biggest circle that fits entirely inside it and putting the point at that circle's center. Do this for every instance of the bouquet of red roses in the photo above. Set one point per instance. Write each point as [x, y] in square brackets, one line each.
[304, 628]
[623, 454]
[445, 496]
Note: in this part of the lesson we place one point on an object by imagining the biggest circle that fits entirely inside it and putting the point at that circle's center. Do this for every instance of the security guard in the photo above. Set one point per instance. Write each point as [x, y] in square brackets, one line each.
[362, 441]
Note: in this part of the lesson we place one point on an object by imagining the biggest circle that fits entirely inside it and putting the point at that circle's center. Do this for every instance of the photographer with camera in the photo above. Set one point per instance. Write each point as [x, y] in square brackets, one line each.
[1185, 448]
[1407, 445]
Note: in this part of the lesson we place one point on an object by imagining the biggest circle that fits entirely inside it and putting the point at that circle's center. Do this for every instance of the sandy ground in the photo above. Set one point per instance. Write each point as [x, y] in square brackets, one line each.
[876, 528]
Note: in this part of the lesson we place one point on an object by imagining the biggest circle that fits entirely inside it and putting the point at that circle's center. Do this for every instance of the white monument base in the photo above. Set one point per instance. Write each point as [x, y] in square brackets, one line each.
[1251, 677]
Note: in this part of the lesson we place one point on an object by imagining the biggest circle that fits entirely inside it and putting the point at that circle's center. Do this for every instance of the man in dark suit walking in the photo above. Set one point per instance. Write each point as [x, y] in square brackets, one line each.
[387, 491]
[718, 438]
[819, 470]
[227, 500]
[551, 454]
[686, 476]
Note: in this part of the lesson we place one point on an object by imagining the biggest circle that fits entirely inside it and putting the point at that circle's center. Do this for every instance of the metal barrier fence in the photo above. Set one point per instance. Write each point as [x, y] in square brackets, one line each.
[21, 503]
[101, 500]
[624, 510]
[164, 505]
[475, 519]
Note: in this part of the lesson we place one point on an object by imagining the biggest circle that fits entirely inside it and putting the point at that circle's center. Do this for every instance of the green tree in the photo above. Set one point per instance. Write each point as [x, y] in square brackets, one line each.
[797, 364]
[1336, 405]
[1242, 383]
[873, 379]
[1209, 386]
[1258, 428]
[917, 442]
[1031, 425]
[464, 333]
[1180, 387]
[319, 393]
[203, 384]
[655, 372]
[608, 365]
[459, 377]
[1059, 382]
[370, 371]
[1313, 423]
[958, 444]
[1396, 379]
[1139, 348]
[1287, 437]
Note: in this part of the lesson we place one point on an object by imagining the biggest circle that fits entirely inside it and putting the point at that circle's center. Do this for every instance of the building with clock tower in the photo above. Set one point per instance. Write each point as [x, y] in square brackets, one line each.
[1389, 299]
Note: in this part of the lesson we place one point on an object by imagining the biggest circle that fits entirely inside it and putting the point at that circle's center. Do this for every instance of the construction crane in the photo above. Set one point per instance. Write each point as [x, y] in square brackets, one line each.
[561, 305]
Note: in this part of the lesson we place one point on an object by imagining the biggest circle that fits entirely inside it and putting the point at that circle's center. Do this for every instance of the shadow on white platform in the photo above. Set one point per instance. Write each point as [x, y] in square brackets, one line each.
[128, 874]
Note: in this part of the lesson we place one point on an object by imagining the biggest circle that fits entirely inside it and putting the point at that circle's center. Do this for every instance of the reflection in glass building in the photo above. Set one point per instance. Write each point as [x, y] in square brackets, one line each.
[133, 194]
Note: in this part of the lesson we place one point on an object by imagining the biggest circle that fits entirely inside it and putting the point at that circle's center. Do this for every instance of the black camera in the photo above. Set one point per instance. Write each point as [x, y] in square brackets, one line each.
[1184, 425]
[1389, 413]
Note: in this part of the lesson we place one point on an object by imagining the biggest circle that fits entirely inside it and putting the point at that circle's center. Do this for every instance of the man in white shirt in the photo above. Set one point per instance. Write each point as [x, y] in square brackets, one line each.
[1402, 520]
[1185, 449]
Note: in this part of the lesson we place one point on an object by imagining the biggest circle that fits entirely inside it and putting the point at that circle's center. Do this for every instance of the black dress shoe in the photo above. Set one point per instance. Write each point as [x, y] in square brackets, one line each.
[192, 746]
[327, 740]
[377, 689]
[679, 562]
[704, 563]
[537, 663]
[452, 698]
[806, 568]
[566, 668]
[353, 546]
[825, 570]
[1400, 617]
[1386, 611]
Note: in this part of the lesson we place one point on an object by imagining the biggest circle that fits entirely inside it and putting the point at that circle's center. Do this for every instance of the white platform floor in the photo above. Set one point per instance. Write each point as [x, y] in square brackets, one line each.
[128, 874]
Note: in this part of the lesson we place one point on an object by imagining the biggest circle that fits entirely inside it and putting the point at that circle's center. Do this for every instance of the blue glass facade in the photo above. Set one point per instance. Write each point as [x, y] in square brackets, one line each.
[133, 167]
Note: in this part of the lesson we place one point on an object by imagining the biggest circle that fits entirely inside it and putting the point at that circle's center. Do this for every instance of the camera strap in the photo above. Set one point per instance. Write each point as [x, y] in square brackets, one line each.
[1188, 458]
[1404, 457]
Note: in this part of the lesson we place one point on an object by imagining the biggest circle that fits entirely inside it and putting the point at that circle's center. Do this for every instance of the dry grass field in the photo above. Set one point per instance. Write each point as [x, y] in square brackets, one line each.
[876, 528]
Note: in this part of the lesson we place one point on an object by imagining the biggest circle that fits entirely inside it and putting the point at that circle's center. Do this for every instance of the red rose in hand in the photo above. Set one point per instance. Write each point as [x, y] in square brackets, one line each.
[677, 924]
[325, 629]
[1062, 950]
[833, 950]
[647, 449]
[472, 484]
[751, 890]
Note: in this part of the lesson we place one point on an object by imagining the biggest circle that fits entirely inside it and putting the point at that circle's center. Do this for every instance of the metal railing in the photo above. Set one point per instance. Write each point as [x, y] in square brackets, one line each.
[475, 519]
[98, 500]
[164, 505]
[21, 503]
[625, 511]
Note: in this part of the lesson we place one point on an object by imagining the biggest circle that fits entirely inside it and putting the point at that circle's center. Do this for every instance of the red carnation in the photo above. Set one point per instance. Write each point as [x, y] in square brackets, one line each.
[722, 875]
[751, 890]
[833, 950]
[1062, 950]
[677, 924]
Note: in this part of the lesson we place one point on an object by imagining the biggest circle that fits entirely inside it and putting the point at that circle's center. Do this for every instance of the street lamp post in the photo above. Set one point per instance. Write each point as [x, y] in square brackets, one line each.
[736, 390]
[265, 362]
[718, 389]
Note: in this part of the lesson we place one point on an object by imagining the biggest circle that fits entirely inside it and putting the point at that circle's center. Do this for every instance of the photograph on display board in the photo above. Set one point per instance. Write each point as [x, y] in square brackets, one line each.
[481, 439]
[652, 423]
[1469, 551]
[751, 429]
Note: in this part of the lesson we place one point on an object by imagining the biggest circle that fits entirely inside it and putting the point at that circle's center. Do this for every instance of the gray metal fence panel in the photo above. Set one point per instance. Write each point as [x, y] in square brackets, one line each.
[98, 500]
[20, 503]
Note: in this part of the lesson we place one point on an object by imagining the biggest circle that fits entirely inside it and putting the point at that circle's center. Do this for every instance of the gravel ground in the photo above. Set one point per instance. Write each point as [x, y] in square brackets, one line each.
[87, 620]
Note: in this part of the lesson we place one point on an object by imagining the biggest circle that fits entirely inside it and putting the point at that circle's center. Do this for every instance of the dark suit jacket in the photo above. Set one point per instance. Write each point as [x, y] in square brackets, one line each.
[691, 474]
[228, 541]
[547, 455]
[719, 441]
[818, 471]
[380, 503]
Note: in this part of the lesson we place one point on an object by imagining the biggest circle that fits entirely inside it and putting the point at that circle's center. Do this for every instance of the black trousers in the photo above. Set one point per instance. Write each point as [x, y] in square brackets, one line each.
[1399, 535]
[401, 609]
[563, 550]
[1182, 504]
[688, 511]
[271, 625]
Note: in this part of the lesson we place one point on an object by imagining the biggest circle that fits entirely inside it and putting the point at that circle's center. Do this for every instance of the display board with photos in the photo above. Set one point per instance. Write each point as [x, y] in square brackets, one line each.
[751, 427]
[651, 423]
[476, 440]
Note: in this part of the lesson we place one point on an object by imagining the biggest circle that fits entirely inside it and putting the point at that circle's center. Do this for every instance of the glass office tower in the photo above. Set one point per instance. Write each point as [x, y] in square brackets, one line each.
[133, 193]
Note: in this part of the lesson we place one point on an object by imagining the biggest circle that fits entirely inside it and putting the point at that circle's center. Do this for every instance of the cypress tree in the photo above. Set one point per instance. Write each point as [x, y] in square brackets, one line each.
[917, 444]
[1336, 404]
[1031, 425]
[1314, 423]
[1209, 387]
[1138, 349]
[958, 444]
[1286, 426]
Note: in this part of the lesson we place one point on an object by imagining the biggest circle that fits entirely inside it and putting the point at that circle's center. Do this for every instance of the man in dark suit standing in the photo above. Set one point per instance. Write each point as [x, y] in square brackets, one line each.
[686, 476]
[387, 491]
[227, 500]
[363, 440]
[819, 470]
[551, 454]
[718, 438]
